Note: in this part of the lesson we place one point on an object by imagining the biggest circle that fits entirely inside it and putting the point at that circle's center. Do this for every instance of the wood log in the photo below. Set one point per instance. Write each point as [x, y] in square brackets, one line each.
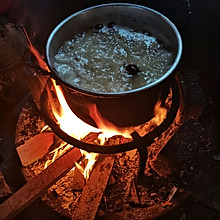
[35, 187]
[79, 181]
[90, 199]
[35, 148]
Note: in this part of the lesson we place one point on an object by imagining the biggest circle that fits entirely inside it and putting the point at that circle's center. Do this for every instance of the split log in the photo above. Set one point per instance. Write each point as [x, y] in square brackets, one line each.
[35, 148]
[38, 185]
[90, 199]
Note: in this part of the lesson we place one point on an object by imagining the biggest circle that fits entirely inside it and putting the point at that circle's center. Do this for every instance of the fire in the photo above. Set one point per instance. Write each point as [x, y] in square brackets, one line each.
[67, 120]
[40, 61]
[56, 153]
[90, 159]
[77, 128]
[160, 113]
[108, 129]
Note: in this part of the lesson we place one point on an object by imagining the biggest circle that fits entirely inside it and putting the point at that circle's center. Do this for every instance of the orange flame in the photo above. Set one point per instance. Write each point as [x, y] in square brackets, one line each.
[67, 120]
[40, 61]
[160, 113]
[91, 159]
[59, 151]
[77, 128]
[108, 128]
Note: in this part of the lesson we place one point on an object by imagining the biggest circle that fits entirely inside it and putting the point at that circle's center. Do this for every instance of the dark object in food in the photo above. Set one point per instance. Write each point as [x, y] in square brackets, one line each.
[132, 69]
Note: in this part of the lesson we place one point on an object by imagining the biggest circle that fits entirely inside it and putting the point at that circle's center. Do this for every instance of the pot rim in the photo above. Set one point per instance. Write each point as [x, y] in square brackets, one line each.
[54, 74]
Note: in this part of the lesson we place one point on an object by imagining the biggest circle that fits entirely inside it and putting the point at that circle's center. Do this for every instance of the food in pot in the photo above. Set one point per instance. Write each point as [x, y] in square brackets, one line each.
[111, 59]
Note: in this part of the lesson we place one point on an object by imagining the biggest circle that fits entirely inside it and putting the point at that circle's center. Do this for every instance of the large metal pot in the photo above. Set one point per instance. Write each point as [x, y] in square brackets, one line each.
[123, 108]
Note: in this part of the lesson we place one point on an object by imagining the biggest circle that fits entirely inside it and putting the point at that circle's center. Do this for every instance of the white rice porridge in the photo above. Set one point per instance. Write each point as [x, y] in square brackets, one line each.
[98, 60]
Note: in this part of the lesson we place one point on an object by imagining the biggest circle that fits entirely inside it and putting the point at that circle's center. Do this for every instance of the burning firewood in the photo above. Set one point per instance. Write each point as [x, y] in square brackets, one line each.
[35, 187]
[91, 137]
[92, 192]
[35, 148]
[79, 180]
[90, 199]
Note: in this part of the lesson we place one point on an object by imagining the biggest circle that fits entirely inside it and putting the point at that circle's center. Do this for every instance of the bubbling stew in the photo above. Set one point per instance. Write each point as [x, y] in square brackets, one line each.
[112, 59]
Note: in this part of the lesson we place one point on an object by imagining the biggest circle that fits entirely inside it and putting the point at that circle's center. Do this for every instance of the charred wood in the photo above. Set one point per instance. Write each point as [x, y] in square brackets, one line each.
[35, 187]
[89, 201]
